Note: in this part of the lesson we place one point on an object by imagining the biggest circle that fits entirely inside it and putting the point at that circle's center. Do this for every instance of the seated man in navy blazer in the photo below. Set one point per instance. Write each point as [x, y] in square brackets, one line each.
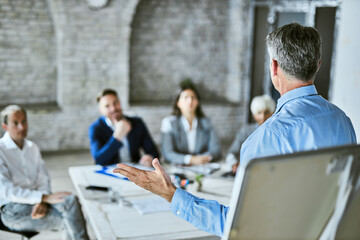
[117, 138]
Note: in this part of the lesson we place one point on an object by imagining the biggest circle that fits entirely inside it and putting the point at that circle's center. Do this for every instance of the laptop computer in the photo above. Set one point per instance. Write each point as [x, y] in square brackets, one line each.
[305, 195]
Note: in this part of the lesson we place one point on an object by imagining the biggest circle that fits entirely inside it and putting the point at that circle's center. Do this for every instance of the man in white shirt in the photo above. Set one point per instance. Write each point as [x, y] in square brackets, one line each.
[26, 200]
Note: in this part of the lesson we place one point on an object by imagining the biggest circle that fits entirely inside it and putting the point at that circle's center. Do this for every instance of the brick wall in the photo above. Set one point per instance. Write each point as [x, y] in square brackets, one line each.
[27, 59]
[174, 40]
[94, 49]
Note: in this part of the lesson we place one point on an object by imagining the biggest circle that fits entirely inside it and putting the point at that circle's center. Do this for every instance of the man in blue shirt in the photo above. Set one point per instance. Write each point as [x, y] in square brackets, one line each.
[302, 121]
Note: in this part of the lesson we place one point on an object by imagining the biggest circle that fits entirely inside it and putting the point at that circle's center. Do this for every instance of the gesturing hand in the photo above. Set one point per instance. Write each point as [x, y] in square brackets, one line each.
[157, 181]
[57, 197]
[39, 210]
[122, 128]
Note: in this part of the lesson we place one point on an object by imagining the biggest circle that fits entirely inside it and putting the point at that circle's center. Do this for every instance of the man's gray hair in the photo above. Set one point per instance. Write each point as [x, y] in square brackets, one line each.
[297, 49]
[262, 103]
[7, 111]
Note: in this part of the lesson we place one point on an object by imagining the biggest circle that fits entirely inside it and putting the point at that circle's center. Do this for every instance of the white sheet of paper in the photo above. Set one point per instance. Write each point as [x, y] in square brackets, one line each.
[122, 222]
[150, 205]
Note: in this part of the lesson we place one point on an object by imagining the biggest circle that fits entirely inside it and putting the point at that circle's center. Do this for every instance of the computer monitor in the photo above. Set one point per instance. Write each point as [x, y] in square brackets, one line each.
[295, 196]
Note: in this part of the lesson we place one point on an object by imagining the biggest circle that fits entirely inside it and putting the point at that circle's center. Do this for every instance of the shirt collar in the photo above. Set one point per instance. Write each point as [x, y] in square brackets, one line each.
[186, 124]
[109, 123]
[295, 93]
[10, 144]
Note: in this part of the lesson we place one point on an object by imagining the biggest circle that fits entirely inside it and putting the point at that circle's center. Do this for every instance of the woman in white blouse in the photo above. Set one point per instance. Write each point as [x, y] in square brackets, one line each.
[187, 135]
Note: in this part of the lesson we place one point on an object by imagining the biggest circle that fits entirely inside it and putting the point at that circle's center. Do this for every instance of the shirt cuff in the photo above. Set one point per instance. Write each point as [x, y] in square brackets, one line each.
[181, 202]
[187, 159]
[35, 198]
[231, 159]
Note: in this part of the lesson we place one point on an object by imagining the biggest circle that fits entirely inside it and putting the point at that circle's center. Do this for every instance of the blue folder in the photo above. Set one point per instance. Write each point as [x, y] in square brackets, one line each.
[108, 171]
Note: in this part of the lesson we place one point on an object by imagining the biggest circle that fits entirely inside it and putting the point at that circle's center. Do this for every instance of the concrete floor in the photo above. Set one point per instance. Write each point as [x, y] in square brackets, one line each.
[57, 165]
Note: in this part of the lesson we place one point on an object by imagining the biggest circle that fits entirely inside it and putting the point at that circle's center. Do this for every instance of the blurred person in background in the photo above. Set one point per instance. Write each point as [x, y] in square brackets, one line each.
[26, 200]
[188, 137]
[116, 138]
[262, 107]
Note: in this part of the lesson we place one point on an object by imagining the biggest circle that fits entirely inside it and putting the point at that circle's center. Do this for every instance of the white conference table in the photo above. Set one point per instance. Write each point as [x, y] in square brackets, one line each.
[117, 219]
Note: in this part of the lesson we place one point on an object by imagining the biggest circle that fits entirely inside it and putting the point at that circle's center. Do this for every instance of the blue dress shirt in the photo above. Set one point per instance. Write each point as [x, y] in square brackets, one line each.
[303, 121]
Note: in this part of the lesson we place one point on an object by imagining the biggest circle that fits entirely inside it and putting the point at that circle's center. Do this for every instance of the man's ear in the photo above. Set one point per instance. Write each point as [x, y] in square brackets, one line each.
[274, 67]
[4, 126]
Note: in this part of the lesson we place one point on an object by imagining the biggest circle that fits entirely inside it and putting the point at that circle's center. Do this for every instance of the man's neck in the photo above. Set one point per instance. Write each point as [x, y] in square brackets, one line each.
[113, 120]
[288, 84]
[19, 143]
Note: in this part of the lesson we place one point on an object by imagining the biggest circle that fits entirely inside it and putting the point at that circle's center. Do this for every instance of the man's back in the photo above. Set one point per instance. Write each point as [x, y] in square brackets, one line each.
[302, 121]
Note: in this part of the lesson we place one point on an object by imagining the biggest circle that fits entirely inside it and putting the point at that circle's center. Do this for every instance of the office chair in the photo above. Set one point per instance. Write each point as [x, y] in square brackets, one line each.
[24, 234]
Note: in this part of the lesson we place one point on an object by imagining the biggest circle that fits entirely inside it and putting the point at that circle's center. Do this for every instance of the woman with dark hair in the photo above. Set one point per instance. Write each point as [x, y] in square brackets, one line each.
[187, 135]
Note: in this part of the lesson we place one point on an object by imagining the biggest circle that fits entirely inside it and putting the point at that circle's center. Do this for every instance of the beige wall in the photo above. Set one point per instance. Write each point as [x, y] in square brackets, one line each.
[346, 86]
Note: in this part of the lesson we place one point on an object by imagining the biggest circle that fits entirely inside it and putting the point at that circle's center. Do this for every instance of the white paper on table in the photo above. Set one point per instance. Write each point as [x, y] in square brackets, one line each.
[205, 169]
[150, 205]
[127, 223]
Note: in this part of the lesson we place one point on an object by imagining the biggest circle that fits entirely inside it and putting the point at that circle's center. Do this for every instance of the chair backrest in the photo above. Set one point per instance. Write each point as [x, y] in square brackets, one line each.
[296, 196]
[27, 234]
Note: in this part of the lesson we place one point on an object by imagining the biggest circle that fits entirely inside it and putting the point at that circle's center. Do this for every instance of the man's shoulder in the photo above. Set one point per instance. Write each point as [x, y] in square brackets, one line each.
[97, 123]
[137, 124]
[1, 141]
[307, 110]
[30, 143]
[4, 145]
[135, 120]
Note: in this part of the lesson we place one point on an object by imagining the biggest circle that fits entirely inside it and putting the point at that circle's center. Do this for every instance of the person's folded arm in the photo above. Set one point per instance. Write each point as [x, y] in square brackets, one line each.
[103, 153]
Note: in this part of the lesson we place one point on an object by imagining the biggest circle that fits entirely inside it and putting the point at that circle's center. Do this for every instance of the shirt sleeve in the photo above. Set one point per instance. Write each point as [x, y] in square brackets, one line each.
[206, 215]
[230, 159]
[187, 159]
[103, 153]
[43, 179]
[14, 193]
